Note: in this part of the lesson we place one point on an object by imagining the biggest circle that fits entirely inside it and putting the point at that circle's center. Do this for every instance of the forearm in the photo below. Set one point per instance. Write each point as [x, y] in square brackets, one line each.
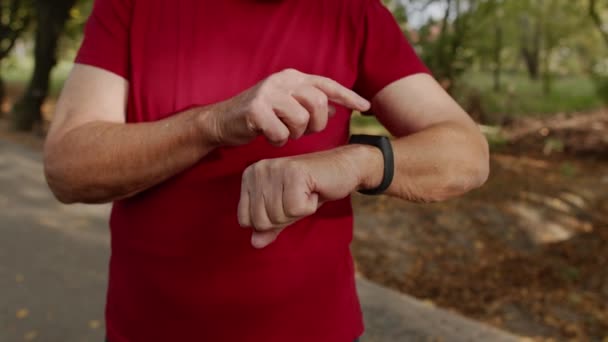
[438, 163]
[102, 161]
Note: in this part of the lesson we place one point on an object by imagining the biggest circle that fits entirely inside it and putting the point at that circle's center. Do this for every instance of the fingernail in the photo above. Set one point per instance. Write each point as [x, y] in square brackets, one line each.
[257, 241]
[365, 104]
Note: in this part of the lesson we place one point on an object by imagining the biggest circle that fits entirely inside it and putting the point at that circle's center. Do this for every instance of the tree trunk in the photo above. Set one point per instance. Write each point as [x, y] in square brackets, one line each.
[531, 65]
[51, 17]
[597, 20]
[16, 18]
[2, 95]
[547, 77]
[497, 55]
[441, 47]
[530, 46]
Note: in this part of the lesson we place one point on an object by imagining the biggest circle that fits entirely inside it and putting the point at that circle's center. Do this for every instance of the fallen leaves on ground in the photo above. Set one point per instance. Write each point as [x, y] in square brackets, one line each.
[527, 253]
[22, 313]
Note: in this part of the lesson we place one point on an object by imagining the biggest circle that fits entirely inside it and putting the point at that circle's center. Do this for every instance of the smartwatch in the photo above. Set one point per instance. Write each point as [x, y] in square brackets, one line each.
[384, 144]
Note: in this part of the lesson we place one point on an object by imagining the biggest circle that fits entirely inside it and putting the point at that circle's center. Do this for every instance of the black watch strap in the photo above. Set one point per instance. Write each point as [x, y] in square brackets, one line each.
[384, 144]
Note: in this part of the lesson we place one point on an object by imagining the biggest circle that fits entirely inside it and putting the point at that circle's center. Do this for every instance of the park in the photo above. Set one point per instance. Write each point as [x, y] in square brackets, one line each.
[523, 258]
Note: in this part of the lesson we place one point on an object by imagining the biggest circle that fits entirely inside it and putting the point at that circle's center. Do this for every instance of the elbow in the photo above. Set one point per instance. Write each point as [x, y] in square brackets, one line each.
[468, 174]
[475, 175]
[58, 181]
[460, 182]
[478, 171]
[70, 184]
[463, 175]
[70, 175]
[62, 176]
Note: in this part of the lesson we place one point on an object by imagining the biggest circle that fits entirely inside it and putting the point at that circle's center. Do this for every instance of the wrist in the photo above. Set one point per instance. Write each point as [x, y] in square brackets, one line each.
[369, 165]
[207, 127]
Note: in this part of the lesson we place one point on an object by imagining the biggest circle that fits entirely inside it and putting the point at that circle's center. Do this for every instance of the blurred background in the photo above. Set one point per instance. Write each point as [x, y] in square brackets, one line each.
[527, 254]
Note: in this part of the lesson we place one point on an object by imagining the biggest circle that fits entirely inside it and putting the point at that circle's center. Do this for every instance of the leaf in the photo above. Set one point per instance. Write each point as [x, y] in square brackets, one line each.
[94, 324]
[30, 335]
[22, 313]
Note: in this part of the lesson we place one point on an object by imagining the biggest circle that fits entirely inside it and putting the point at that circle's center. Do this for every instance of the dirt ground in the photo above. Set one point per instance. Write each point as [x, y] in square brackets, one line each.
[528, 252]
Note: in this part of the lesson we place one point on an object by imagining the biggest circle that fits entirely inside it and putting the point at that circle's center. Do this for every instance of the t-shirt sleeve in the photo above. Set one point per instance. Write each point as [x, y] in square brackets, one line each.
[106, 37]
[386, 55]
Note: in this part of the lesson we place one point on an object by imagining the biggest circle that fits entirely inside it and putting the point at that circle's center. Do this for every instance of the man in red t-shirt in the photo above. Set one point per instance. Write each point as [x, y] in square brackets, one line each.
[219, 129]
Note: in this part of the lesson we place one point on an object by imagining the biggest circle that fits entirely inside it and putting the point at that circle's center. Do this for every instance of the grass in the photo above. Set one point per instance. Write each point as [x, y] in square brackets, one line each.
[521, 96]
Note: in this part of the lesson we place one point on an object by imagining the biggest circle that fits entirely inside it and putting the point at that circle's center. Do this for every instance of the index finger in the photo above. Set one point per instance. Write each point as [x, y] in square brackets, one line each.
[340, 94]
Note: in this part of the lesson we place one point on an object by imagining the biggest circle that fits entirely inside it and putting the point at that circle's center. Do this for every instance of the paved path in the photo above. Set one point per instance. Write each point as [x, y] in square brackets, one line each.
[53, 261]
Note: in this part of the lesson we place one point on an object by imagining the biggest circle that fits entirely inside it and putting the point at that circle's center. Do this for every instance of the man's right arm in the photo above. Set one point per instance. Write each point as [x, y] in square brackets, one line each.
[93, 156]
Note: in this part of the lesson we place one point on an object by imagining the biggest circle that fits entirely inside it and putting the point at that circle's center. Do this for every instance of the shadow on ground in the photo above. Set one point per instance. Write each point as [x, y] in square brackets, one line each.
[526, 253]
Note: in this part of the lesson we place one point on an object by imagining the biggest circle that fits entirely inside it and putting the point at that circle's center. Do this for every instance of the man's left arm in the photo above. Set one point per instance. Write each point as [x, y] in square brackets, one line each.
[439, 153]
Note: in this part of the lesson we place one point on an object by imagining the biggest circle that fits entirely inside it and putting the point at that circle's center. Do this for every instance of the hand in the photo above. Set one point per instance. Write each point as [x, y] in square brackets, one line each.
[285, 105]
[278, 192]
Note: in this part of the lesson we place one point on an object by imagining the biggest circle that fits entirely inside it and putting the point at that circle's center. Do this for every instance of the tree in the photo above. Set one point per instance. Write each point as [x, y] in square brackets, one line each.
[597, 19]
[531, 38]
[51, 18]
[15, 17]
[446, 43]
[498, 46]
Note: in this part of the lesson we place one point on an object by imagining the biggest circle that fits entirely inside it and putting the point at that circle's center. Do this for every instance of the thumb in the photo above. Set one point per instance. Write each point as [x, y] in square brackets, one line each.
[263, 239]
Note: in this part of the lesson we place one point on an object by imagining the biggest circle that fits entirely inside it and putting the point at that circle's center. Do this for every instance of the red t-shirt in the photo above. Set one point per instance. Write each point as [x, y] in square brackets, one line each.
[181, 268]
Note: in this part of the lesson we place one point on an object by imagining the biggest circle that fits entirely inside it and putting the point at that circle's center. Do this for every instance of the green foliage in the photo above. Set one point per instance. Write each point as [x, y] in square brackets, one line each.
[16, 74]
[521, 96]
[495, 137]
[15, 18]
[546, 38]
[601, 86]
[74, 27]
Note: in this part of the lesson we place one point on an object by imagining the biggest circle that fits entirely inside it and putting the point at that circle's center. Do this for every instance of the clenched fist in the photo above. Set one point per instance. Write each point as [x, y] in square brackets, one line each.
[285, 105]
[278, 192]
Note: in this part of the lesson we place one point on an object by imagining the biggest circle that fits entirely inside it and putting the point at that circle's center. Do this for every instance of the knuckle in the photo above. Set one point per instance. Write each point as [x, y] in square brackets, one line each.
[290, 75]
[317, 127]
[257, 107]
[256, 171]
[249, 171]
[294, 171]
[270, 82]
[320, 101]
[275, 166]
[301, 119]
[279, 136]
[261, 165]
[283, 135]
[290, 72]
[298, 209]
[327, 81]
[276, 219]
[291, 168]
